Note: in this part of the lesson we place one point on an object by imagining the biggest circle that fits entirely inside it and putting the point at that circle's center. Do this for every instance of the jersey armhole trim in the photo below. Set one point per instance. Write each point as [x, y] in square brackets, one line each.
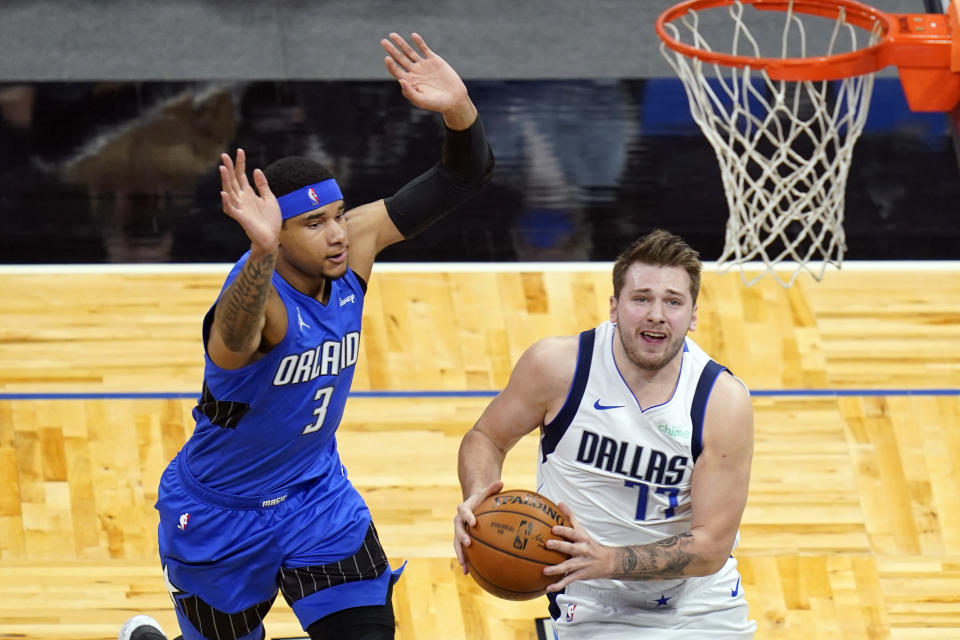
[360, 280]
[698, 408]
[553, 432]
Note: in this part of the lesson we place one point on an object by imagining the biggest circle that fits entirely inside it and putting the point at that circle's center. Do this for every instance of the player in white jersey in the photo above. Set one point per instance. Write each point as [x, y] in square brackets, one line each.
[646, 445]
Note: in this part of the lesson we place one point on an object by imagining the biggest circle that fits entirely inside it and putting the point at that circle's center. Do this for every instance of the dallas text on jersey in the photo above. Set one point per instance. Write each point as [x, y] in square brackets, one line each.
[607, 454]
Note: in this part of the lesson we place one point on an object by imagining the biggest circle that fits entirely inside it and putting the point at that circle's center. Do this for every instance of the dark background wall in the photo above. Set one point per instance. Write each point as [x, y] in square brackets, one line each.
[114, 113]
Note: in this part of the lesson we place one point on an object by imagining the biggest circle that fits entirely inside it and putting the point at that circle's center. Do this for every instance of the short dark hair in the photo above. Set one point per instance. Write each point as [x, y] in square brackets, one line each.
[293, 172]
[662, 249]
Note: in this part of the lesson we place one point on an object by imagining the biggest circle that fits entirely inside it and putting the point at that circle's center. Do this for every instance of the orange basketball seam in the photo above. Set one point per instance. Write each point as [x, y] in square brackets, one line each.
[513, 555]
[518, 513]
[476, 574]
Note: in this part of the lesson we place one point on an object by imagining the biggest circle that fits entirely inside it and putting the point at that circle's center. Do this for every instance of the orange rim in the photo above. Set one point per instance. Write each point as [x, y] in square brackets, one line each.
[898, 45]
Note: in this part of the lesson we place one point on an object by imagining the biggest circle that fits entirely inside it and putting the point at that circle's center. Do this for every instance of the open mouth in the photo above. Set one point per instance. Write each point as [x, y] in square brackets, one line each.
[653, 337]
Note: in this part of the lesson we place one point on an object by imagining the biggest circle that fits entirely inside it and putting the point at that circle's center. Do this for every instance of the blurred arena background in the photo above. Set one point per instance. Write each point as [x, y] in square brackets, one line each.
[112, 116]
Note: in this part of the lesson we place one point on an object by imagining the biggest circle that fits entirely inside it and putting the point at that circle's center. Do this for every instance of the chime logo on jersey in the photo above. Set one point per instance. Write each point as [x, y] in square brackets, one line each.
[313, 197]
[677, 433]
[327, 359]
[631, 460]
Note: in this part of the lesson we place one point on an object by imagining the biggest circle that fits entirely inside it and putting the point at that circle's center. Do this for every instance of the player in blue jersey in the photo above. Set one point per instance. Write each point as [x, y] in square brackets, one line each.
[646, 445]
[257, 501]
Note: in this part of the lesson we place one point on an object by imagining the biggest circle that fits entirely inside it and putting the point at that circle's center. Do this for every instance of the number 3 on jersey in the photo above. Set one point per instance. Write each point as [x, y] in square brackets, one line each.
[644, 488]
[323, 397]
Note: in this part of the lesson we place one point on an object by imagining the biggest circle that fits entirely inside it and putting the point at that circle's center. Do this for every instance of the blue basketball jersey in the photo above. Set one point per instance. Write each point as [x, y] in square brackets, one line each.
[272, 424]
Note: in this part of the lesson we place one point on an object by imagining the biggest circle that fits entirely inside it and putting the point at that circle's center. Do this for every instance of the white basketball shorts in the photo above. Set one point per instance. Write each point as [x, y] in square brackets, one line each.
[709, 607]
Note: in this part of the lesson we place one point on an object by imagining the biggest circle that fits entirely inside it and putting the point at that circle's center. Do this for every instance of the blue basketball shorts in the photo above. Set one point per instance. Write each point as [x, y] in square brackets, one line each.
[226, 557]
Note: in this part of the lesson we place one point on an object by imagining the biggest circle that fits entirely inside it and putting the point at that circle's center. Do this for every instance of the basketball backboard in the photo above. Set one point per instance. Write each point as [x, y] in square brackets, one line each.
[940, 6]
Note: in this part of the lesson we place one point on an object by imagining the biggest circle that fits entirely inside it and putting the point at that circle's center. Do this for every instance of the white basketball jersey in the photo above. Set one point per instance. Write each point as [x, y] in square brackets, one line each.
[624, 470]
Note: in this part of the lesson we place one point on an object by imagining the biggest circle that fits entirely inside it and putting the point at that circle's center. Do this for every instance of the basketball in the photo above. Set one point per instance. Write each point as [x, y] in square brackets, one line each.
[508, 551]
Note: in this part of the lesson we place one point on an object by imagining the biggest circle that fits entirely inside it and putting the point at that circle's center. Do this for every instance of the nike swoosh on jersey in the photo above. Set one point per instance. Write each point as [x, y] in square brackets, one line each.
[604, 407]
[736, 589]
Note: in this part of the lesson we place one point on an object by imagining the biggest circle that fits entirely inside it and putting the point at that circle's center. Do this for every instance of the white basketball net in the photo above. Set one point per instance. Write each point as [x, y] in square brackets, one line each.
[784, 147]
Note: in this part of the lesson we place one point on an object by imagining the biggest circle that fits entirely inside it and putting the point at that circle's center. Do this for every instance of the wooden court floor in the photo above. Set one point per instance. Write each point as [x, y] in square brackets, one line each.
[852, 529]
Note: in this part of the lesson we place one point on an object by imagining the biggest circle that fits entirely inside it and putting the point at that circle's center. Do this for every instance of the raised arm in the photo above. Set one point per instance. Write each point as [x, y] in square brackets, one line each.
[534, 394]
[249, 309]
[428, 81]
[721, 478]
[465, 167]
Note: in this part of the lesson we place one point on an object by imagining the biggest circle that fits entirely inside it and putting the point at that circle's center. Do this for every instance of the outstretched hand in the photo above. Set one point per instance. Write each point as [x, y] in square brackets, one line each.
[425, 78]
[588, 558]
[257, 211]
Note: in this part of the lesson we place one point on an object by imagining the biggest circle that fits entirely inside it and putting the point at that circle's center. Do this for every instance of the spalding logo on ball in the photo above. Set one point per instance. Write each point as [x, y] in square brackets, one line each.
[508, 551]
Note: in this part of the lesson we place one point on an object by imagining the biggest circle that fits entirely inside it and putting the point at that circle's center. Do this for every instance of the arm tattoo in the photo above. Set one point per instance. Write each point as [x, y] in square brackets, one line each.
[658, 560]
[240, 312]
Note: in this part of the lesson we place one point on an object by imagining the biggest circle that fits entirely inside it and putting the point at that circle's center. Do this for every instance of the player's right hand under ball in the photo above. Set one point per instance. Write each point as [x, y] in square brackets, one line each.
[465, 519]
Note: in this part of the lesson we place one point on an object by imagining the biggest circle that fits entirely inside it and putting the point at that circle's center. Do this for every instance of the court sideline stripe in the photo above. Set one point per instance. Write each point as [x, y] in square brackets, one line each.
[171, 395]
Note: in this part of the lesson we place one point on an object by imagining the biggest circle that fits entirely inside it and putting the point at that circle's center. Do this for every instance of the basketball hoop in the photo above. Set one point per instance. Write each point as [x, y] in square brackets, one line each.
[783, 124]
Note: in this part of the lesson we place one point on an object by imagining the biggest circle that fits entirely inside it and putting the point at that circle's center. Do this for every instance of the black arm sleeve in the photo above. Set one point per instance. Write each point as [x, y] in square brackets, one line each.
[465, 168]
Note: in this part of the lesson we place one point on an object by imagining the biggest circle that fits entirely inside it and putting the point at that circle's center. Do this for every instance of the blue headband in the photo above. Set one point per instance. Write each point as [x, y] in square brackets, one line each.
[308, 198]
